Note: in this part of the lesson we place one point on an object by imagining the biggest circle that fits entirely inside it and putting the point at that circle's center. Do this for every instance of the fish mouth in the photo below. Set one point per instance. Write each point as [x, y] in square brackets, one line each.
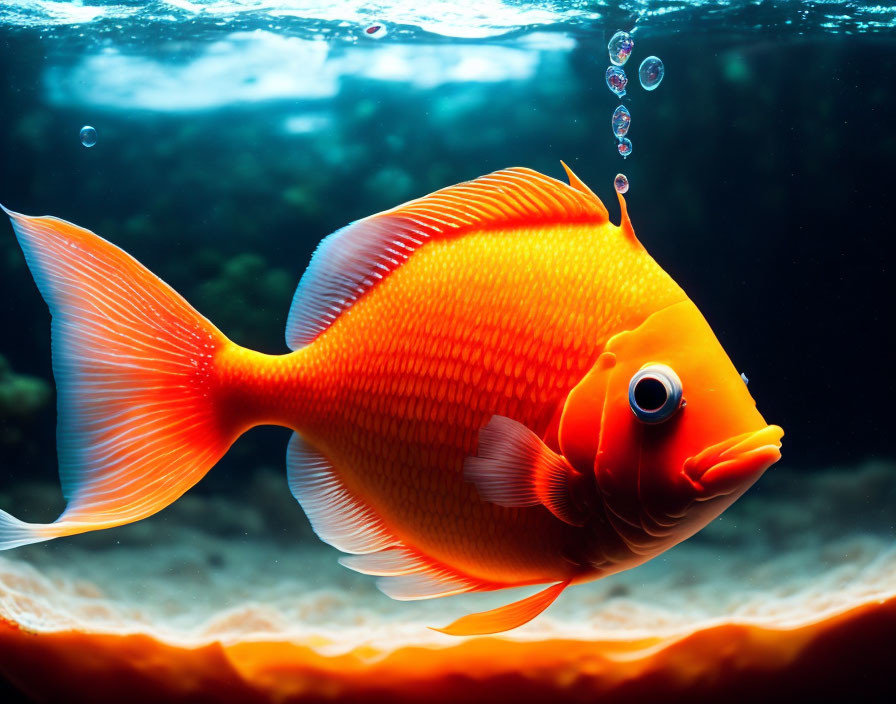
[734, 463]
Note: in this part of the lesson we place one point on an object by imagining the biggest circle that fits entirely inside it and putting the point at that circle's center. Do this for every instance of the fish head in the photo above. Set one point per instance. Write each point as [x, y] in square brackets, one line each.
[679, 437]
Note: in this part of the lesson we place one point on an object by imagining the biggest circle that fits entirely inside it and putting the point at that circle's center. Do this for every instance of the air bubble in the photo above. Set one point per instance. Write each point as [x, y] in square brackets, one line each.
[651, 73]
[621, 121]
[624, 147]
[616, 80]
[620, 183]
[376, 30]
[620, 48]
[88, 136]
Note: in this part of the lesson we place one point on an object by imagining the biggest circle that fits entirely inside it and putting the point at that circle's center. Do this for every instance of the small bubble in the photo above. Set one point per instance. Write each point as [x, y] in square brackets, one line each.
[624, 147]
[620, 183]
[616, 80]
[620, 48]
[88, 136]
[377, 30]
[621, 121]
[651, 73]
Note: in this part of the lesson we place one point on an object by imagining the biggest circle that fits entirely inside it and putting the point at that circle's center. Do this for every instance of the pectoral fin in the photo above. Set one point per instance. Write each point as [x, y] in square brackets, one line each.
[514, 467]
[504, 618]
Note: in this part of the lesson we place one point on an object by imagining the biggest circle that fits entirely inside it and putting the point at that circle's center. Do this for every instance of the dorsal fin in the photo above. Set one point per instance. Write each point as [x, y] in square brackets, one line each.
[579, 185]
[352, 260]
[625, 223]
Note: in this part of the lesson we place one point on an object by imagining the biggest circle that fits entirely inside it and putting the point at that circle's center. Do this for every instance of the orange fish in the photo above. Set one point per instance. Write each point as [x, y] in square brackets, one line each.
[490, 386]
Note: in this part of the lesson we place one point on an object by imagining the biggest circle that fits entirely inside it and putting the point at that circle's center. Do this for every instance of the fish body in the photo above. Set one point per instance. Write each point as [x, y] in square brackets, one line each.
[460, 388]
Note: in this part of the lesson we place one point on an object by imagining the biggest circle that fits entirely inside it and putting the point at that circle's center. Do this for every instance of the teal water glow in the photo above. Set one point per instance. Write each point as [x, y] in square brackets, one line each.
[180, 56]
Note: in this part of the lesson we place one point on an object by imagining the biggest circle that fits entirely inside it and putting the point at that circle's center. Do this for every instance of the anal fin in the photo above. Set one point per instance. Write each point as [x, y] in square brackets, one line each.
[506, 617]
[337, 516]
[349, 523]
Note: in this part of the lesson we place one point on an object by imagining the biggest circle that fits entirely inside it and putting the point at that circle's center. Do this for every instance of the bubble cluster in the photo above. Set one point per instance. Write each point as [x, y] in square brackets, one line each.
[620, 48]
[617, 80]
[88, 136]
[620, 183]
[651, 73]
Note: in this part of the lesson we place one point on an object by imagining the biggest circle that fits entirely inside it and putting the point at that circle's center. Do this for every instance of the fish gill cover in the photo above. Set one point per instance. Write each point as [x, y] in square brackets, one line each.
[230, 137]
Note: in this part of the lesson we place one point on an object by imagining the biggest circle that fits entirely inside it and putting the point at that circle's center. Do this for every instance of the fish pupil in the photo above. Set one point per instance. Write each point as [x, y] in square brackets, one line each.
[650, 394]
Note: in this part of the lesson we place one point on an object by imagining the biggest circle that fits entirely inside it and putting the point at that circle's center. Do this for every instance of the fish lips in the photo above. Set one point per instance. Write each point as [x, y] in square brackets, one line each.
[733, 464]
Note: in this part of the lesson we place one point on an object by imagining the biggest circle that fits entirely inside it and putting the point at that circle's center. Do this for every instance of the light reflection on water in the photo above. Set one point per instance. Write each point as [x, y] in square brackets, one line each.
[346, 19]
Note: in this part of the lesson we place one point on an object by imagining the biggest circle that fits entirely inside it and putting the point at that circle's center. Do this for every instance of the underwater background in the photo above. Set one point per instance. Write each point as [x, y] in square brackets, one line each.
[233, 135]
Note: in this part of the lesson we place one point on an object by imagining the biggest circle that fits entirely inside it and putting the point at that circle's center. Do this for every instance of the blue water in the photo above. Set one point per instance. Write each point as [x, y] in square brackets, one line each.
[182, 56]
[232, 136]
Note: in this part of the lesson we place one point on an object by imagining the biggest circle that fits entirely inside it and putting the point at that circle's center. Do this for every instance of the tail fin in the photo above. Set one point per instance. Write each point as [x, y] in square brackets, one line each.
[135, 376]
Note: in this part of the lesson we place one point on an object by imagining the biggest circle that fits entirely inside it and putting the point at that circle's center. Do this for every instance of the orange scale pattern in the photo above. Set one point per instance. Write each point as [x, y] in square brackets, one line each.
[395, 391]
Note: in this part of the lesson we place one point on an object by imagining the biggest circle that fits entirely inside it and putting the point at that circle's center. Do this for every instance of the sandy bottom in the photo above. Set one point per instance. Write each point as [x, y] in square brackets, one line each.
[795, 586]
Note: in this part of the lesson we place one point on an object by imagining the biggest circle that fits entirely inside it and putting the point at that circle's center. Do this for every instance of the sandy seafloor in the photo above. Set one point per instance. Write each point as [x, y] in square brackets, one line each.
[798, 550]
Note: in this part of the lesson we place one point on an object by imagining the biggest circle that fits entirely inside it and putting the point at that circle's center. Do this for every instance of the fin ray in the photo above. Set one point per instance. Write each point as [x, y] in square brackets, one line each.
[432, 583]
[515, 468]
[132, 362]
[406, 575]
[349, 524]
[391, 562]
[337, 517]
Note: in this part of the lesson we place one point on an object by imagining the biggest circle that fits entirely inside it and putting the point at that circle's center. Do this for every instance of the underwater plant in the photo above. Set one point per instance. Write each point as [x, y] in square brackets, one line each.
[21, 394]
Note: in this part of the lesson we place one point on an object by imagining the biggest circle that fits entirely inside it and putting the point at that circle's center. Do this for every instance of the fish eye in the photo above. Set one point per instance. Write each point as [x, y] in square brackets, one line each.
[654, 393]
